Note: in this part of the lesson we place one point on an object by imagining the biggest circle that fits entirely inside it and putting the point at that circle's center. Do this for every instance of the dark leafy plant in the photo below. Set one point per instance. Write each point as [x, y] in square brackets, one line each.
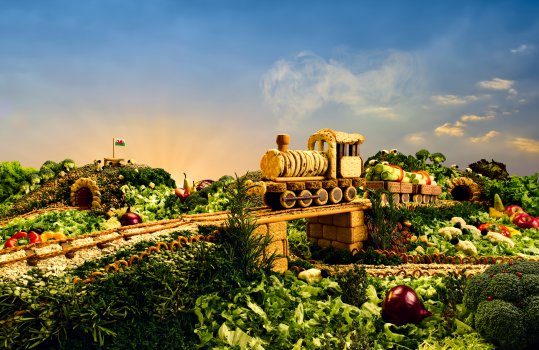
[243, 249]
[382, 220]
[493, 169]
[353, 283]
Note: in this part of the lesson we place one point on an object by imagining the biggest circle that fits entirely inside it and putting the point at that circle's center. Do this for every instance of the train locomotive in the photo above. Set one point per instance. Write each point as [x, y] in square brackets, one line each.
[328, 172]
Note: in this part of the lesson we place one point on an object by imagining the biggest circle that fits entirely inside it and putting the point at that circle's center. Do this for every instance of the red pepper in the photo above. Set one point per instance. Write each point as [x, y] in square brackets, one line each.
[489, 226]
[22, 238]
[401, 172]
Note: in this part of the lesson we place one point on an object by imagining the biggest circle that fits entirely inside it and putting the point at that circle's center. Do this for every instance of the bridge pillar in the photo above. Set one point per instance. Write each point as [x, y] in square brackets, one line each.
[278, 244]
[340, 231]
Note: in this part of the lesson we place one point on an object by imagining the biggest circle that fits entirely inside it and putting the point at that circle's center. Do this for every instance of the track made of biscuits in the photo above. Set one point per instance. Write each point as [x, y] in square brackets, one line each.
[16, 260]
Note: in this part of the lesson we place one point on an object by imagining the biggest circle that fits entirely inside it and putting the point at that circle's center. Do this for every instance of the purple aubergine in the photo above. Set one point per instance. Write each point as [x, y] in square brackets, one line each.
[402, 305]
[130, 218]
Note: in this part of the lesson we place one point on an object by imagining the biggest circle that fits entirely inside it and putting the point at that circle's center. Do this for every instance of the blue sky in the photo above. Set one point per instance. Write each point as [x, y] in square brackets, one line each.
[203, 87]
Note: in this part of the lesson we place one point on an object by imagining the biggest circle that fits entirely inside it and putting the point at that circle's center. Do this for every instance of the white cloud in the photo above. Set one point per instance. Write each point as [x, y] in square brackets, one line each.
[456, 129]
[497, 84]
[525, 144]
[448, 100]
[475, 118]
[367, 84]
[522, 49]
[484, 138]
[416, 139]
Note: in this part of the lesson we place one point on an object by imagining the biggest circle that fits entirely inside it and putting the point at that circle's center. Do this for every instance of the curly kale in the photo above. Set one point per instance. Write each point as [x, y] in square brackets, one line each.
[492, 169]
[143, 176]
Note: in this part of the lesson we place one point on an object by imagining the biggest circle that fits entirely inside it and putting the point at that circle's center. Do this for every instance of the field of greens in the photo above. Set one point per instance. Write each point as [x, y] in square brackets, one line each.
[222, 294]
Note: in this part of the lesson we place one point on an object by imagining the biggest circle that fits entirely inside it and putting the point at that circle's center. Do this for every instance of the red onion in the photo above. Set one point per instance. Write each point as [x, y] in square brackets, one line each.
[203, 184]
[130, 218]
[402, 305]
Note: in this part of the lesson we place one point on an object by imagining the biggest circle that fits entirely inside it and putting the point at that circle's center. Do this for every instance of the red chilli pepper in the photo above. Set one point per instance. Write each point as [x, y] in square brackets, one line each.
[489, 226]
[425, 174]
[401, 173]
[22, 238]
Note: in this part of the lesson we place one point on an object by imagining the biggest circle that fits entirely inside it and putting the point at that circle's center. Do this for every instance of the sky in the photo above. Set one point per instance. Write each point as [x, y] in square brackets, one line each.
[203, 87]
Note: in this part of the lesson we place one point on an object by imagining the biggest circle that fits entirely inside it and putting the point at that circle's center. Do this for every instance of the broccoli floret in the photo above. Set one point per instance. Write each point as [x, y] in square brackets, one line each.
[531, 317]
[194, 199]
[437, 158]
[502, 323]
[68, 164]
[524, 266]
[422, 155]
[506, 300]
[530, 284]
[504, 286]
[474, 289]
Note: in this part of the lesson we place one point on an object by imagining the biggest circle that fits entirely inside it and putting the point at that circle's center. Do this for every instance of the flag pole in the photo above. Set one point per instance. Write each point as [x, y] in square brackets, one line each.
[113, 148]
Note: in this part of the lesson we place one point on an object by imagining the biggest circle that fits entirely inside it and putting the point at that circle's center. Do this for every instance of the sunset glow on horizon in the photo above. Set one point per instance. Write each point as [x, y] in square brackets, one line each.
[204, 87]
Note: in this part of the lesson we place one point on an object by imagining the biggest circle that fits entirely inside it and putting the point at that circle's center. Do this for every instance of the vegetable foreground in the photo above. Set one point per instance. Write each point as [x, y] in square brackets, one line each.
[220, 293]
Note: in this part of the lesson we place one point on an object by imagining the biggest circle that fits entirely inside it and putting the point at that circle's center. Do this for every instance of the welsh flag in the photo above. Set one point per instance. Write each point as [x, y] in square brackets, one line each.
[119, 142]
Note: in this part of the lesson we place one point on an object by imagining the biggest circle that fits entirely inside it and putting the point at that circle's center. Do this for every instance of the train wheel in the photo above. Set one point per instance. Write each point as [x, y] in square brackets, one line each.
[349, 194]
[322, 197]
[417, 198]
[335, 195]
[396, 198]
[426, 198]
[304, 203]
[434, 199]
[286, 199]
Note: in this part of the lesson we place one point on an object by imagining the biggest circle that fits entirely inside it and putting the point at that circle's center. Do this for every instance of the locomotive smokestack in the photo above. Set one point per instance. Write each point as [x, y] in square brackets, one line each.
[283, 140]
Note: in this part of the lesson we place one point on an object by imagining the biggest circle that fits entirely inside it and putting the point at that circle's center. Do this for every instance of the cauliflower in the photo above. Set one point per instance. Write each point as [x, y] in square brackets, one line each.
[495, 237]
[449, 232]
[311, 275]
[456, 219]
[467, 247]
[476, 233]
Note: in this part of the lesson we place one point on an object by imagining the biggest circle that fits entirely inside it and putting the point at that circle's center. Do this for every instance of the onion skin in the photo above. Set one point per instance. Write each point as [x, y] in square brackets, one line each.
[402, 305]
[203, 184]
[130, 218]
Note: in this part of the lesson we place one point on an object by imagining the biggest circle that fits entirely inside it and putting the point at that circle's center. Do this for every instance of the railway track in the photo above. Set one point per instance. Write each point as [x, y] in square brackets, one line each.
[56, 256]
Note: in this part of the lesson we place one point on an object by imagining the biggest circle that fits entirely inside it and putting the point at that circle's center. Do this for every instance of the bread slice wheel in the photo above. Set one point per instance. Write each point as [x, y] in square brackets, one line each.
[286, 201]
[335, 195]
[304, 203]
[349, 194]
[272, 164]
[322, 197]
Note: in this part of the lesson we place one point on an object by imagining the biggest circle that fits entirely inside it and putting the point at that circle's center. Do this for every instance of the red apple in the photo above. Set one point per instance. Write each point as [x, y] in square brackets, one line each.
[513, 209]
[524, 220]
[182, 193]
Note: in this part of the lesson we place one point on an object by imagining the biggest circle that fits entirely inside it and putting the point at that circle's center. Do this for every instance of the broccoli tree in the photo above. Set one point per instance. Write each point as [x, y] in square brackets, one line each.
[49, 164]
[422, 155]
[68, 164]
[437, 158]
[505, 300]
[12, 176]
